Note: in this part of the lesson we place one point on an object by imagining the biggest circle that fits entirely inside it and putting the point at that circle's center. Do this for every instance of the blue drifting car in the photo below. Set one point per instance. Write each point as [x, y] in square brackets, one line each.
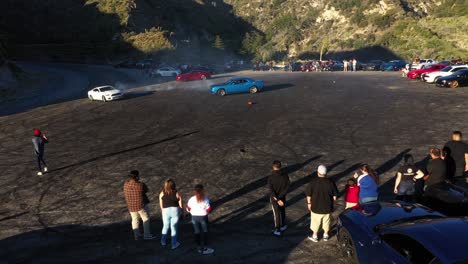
[237, 85]
[399, 232]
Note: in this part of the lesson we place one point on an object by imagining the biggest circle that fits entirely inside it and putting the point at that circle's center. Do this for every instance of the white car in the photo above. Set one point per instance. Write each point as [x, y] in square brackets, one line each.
[166, 72]
[105, 93]
[421, 64]
[433, 76]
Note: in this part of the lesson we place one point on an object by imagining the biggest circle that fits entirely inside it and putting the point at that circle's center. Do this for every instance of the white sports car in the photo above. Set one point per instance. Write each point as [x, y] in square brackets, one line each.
[105, 93]
[449, 70]
[165, 72]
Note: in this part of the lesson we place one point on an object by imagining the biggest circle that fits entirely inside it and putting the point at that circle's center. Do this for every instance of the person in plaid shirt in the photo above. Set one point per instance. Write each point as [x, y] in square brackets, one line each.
[135, 195]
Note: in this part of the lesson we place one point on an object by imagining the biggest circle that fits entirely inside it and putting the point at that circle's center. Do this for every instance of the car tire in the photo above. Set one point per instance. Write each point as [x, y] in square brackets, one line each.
[454, 84]
[203, 77]
[253, 89]
[436, 78]
[221, 92]
[346, 246]
[91, 97]
[104, 99]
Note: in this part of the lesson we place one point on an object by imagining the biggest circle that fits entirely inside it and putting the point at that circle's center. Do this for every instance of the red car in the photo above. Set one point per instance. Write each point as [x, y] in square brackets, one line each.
[416, 74]
[194, 75]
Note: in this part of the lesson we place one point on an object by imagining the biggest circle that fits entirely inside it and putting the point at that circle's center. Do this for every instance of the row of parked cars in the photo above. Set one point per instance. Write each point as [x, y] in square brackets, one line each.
[443, 74]
[331, 65]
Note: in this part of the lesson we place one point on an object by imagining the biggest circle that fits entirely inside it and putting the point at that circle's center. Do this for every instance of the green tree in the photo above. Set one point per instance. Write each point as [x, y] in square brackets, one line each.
[218, 43]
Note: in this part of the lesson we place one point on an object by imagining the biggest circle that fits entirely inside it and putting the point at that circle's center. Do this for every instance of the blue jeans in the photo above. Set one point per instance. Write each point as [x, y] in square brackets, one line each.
[201, 236]
[170, 220]
[367, 199]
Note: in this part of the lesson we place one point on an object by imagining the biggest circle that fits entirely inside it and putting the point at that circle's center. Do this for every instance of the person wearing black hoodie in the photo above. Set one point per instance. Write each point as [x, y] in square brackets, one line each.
[278, 183]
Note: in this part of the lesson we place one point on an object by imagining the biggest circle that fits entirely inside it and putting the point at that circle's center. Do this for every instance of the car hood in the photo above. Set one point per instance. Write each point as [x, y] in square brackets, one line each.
[113, 91]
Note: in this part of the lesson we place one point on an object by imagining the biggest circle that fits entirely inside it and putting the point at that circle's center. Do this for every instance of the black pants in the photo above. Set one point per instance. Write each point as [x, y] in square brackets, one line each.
[279, 212]
[418, 190]
[40, 161]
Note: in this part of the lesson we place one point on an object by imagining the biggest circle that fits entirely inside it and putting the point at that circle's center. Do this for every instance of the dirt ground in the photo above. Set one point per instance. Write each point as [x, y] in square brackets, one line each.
[77, 213]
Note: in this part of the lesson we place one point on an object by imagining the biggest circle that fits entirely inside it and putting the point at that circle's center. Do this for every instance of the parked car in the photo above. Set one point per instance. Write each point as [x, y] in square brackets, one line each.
[433, 76]
[399, 232]
[204, 68]
[193, 75]
[105, 93]
[237, 85]
[373, 65]
[125, 64]
[394, 65]
[420, 64]
[145, 64]
[458, 79]
[416, 74]
[165, 72]
[308, 67]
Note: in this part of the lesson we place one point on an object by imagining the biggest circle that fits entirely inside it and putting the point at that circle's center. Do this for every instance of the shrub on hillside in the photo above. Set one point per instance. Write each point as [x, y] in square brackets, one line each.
[150, 41]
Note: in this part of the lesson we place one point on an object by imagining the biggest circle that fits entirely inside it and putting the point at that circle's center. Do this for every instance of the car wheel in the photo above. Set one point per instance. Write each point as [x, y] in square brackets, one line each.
[91, 97]
[221, 92]
[436, 78]
[253, 89]
[104, 99]
[346, 246]
[203, 77]
[454, 84]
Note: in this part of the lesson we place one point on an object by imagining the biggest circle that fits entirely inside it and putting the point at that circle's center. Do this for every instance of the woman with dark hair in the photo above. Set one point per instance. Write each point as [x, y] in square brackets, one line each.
[368, 182]
[404, 183]
[199, 207]
[171, 205]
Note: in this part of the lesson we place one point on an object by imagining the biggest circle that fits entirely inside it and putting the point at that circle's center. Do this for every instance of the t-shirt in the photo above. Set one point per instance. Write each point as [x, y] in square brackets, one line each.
[437, 171]
[352, 194]
[38, 143]
[408, 172]
[279, 182]
[198, 209]
[368, 187]
[457, 150]
[321, 190]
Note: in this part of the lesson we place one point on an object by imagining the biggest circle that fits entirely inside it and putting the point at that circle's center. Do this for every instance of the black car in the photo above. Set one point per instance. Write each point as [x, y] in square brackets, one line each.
[125, 64]
[457, 79]
[373, 65]
[394, 65]
[450, 197]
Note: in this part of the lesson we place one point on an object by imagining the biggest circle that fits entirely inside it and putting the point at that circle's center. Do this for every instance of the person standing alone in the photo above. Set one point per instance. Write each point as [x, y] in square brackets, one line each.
[134, 192]
[39, 140]
[456, 156]
[278, 182]
[321, 196]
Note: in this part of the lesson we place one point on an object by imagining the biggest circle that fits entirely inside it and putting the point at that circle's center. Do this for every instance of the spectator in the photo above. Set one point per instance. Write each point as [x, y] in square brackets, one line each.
[171, 204]
[321, 195]
[351, 193]
[368, 182]
[406, 175]
[199, 207]
[134, 196]
[456, 156]
[278, 182]
[39, 140]
[436, 169]
[345, 65]
[354, 64]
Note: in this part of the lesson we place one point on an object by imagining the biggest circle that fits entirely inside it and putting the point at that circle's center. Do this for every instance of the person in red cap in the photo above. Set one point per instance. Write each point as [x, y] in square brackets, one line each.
[39, 141]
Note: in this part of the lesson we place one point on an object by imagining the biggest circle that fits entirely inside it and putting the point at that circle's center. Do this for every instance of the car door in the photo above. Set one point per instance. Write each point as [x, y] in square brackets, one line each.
[95, 93]
[463, 79]
[405, 249]
[238, 86]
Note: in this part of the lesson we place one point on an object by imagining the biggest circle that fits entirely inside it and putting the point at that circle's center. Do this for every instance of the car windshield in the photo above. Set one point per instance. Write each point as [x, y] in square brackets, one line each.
[446, 69]
[380, 227]
[105, 89]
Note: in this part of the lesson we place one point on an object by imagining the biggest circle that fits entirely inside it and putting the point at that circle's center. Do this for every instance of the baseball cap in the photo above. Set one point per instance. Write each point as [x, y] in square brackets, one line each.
[37, 132]
[322, 170]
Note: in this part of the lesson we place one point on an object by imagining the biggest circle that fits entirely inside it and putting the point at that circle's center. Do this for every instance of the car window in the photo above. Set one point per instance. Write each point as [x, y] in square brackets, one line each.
[446, 69]
[104, 89]
[95, 90]
[409, 248]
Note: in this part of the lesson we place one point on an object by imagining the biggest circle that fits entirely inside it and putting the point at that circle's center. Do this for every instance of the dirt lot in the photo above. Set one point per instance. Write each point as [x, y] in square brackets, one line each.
[77, 214]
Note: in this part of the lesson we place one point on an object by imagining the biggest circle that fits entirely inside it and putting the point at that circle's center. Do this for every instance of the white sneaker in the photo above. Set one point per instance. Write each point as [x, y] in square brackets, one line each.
[313, 239]
[277, 233]
[208, 251]
[39, 173]
[283, 228]
[45, 169]
[326, 237]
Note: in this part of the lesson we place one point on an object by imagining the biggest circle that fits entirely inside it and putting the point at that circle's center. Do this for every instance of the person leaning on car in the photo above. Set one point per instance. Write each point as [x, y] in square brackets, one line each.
[456, 156]
[436, 169]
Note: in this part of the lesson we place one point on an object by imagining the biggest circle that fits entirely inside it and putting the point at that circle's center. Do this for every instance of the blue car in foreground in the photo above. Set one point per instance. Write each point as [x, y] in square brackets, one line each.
[399, 232]
[237, 85]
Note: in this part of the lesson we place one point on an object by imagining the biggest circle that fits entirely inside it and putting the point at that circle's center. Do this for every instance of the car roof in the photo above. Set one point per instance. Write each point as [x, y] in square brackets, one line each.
[104, 86]
[446, 238]
[241, 78]
[378, 213]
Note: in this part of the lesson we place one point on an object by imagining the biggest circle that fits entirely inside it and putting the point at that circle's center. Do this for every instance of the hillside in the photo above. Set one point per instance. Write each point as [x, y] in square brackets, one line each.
[409, 28]
[111, 30]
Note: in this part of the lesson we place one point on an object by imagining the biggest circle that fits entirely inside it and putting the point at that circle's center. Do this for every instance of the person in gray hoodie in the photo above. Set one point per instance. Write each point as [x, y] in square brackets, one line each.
[39, 140]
